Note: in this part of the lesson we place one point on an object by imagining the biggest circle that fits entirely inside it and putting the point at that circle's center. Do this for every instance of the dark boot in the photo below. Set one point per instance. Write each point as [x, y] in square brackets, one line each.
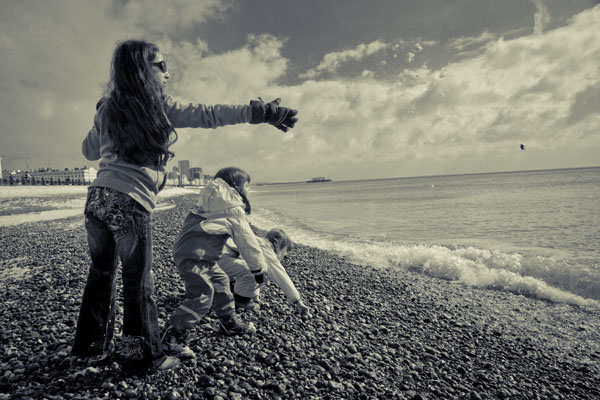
[171, 342]
[245, 303]
[232, 325]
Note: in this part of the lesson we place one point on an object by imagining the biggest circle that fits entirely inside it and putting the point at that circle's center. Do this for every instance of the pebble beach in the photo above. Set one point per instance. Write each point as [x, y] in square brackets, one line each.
[372, 333]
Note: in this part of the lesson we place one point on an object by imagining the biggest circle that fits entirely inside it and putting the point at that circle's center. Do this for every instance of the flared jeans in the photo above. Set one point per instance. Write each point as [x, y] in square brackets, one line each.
[119, 228]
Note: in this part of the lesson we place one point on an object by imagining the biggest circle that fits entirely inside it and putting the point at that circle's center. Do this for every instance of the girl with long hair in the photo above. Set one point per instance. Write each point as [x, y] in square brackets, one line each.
[133, 130]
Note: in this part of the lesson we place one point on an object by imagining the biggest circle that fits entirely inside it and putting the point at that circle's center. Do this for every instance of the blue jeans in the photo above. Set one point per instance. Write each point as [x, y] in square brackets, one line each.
[119, 228]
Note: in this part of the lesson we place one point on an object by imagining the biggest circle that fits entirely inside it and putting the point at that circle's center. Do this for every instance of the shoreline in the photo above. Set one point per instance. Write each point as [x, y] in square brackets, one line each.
[374, 333]
[34, 215]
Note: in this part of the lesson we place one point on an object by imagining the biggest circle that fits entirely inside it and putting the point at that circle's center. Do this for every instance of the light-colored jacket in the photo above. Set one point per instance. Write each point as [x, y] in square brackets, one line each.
[144, 182]
[218, 216]
[237, 270]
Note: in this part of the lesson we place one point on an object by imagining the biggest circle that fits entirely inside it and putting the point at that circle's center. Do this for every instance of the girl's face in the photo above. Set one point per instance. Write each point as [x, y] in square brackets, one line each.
[159, 66]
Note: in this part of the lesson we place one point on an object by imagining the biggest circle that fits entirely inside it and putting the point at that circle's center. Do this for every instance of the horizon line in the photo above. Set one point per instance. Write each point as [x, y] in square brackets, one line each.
[438, 175]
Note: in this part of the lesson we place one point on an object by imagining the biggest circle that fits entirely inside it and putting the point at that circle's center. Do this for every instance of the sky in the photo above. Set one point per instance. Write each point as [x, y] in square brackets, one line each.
[383, 88]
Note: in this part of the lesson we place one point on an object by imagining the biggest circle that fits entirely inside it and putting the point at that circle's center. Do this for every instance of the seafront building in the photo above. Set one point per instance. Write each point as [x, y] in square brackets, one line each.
[76, 176]
[183, 174]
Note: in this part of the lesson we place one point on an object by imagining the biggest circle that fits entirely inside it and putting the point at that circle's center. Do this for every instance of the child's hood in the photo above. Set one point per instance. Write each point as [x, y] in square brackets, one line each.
[218, 196]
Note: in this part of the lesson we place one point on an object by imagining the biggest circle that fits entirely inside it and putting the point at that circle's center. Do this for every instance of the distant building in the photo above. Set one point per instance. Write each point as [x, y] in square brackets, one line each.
[184, 168]
[196, 172]
[65, 177]
[196, 176]
[184, 174]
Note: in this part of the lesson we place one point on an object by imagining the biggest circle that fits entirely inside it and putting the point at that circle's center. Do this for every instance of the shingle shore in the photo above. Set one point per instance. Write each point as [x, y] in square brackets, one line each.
[372, 334]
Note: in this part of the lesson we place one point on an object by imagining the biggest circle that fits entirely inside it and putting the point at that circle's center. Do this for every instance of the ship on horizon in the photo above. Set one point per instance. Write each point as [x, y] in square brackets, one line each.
[319, 179]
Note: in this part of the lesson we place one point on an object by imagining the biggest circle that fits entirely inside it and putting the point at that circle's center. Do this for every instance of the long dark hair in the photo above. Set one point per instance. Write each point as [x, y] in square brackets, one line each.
[138, 126]
[236, 177]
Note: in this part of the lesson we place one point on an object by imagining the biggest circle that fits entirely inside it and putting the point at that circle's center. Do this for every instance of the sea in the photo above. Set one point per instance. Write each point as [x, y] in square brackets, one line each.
[533, 233]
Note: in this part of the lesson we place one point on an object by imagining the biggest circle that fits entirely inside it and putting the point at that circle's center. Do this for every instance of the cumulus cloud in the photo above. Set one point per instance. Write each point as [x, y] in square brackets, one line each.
[159, 18]
[235, 75]
[47, 66]
[539, 89]
[471, 45]
[541, 18]
[332, 61]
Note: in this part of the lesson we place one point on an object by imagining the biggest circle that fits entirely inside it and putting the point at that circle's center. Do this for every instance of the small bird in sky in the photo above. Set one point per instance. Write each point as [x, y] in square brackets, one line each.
[522, 146]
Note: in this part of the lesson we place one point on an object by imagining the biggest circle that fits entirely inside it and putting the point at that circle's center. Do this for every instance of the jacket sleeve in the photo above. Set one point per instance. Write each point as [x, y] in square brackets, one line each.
[279, 275]
[91, 144]
[202, 116]
[247, 244]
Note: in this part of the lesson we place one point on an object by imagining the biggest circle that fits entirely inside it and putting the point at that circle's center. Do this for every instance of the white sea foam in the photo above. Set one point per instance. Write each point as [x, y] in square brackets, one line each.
[471, 266]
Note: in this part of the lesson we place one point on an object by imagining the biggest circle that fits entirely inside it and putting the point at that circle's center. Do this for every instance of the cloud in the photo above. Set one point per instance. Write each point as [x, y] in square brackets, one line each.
[541, 18]
[470, 46]
[332, 61]
[538, 89]
[243, 73]
[156, 18]
[585, 105]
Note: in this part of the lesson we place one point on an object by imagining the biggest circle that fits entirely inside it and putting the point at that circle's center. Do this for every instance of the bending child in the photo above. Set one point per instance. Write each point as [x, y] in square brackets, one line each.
[133, 129]
[220, 215]
[275, 245]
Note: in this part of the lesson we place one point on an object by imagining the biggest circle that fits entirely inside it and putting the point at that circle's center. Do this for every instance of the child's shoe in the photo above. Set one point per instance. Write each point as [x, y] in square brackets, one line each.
[231, 325]
[168, 363]
[245, 303]
[170, 339]
[249, 306]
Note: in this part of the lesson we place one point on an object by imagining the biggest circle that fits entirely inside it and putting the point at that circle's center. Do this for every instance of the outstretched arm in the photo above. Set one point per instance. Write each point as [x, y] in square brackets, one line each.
[247, 245]
[279, 275]
[203, 116]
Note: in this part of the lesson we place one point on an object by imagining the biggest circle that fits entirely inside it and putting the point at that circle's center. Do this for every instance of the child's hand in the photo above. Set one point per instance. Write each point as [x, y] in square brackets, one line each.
[301, 308]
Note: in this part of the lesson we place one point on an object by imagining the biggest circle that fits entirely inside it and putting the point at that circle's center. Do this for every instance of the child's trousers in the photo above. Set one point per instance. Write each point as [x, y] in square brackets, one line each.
[206, 286]
[237, 270]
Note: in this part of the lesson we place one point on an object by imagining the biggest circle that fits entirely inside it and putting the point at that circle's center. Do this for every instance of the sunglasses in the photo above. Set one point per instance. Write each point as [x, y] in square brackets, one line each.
[162, 65]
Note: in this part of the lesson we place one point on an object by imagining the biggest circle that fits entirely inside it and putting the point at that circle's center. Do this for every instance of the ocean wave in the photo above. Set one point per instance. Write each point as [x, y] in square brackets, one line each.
[528, 276]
